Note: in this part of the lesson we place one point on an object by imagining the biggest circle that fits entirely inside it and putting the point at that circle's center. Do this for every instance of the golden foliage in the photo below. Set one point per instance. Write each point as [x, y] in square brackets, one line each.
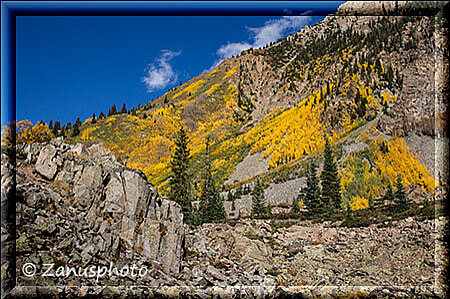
[88, 133]
[285, 135]
[230, 72]
[213, 89]
[292, 134]
[194, 87]
[359, 203]
[399, 160]
[366, 174]
[26, 132]
[359, 181]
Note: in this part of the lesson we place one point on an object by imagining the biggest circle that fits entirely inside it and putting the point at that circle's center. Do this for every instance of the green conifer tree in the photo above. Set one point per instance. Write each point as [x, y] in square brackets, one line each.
[75, 130]
[124, 108]
[312, 194]
[349, 219]
[401, 202]
[211, 203]
[259, 207]
[63, 131]
[113, 109]
[179, 182]
[56, 128]
[331, 186]
[388, 196]
[76, 127]
[295, 207]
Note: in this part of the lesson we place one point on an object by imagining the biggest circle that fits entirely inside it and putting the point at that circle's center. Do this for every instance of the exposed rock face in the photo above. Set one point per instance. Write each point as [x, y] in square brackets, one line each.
[118, 217]
[46, 164]
[414, 111]
[369, 7]
[90, 210]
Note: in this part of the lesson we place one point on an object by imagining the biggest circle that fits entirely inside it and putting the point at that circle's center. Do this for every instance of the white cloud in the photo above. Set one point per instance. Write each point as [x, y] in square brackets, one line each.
[270, 32]
[160, 73]
[232, 49]
[274, 29]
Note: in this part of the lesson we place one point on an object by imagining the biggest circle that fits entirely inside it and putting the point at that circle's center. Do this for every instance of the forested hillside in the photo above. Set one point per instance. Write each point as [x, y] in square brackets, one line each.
[364, 83]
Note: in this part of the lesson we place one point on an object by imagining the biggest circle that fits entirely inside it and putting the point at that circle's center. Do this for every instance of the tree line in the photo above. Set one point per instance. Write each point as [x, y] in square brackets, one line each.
[74, 130]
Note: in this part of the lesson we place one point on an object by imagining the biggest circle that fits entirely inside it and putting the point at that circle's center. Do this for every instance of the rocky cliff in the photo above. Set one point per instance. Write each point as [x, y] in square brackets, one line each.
[77, 206]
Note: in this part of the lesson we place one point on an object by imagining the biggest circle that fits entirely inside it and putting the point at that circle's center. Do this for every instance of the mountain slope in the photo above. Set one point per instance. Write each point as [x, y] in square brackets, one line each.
[327, 80]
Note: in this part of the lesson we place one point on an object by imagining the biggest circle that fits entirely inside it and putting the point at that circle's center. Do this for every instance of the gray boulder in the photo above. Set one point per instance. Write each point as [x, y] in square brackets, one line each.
[46, 164]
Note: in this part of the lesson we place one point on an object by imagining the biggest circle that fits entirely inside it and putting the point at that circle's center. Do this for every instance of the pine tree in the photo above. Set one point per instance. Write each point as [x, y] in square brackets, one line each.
[401, 202]
[76, 127]
[124, 108]
[211, 203]
[295, 209]
[113, 109]
[179, 182]
[389, 195]
[331, 185]
[101, 115]
[78, 122]
[93, 120]
[312, 194]
[50, 125]
[259, 207]
[75, 130]
[56, 128]
[63, 131]
[348, 214]
[230, 196]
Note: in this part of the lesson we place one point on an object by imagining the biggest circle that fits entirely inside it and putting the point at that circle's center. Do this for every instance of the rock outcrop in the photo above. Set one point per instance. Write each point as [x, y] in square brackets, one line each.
[97, 212]
[78, 206]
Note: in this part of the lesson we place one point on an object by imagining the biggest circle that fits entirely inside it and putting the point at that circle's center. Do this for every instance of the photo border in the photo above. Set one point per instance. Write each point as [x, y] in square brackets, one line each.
[11, 9]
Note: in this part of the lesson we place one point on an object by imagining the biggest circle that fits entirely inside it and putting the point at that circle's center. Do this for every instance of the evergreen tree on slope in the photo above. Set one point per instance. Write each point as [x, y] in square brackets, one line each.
[259, 207]
[331, 185]
[312, 196]
[179, 182]
[211, 203]
[401, 202]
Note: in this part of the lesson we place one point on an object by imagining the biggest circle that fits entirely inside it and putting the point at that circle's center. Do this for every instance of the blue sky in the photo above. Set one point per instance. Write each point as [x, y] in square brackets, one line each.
[69, 67]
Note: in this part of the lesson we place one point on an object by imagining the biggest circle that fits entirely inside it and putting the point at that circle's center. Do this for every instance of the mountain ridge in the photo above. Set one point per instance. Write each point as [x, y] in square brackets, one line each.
[281, 101]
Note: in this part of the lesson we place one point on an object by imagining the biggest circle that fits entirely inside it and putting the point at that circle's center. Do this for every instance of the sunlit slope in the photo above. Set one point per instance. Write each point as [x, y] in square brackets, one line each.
[205, 106]
[283, 101]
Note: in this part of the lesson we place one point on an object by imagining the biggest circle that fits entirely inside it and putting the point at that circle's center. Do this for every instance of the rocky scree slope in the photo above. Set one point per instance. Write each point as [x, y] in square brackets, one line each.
[77, 206]
[256, 252]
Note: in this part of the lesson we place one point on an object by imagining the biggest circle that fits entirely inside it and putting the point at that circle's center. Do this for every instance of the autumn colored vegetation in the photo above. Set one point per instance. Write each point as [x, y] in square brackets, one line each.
[331, 87]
